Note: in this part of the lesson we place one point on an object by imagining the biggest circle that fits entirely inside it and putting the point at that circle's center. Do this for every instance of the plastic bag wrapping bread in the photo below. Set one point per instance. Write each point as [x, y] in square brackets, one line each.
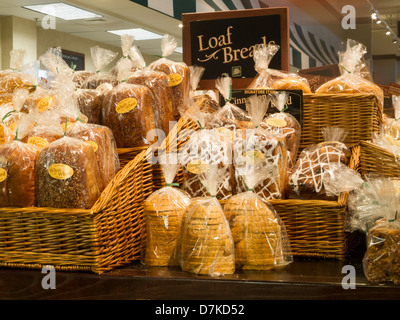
[200, 101]
[101, 58]
[351, 80]
[43, 128]
[373, 208]
[68, 174]
[128, 111]
[163, 212]
[157, 82]
[13, 118]
[306, 180]
[268, 78]
[284, 124]
[266, 148]
[42, 99]
[204, 148]
[124, 65]
[15, 77]
[90, 104]
[18, 175]
[62, 99]
[103, 142]
[229, 116]
[206, 244]
[259, 235]
[80, 76]
[178, 76]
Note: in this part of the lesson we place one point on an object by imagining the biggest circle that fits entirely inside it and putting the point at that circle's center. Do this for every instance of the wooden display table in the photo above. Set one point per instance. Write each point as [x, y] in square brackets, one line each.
[303, 279]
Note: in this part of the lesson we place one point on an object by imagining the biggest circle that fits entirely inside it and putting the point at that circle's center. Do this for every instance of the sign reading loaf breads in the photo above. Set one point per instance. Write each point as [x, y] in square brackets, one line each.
[224, 42]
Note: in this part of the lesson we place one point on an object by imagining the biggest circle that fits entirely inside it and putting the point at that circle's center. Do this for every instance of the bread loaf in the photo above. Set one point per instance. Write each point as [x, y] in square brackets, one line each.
[206, 245]
[306, 180]
[270, 152]
[18, 177]
[80, 76]
[89, 103]
[382, 257]
[157, 82]
[102, 140]
[128, 111]
[68, 174]
[205, 148]
[292, 82]
[163, 211]
[258, 234]
[179, 80]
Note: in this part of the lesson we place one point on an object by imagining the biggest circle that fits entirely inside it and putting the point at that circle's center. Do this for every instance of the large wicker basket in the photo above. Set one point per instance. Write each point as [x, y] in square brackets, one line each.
[375, 159]
[98, 239]
[315, 227]
[360, 115]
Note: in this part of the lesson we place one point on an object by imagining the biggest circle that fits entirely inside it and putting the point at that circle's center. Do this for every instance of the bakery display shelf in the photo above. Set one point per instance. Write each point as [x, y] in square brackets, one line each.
[301, 280]
[375, 159]
[360, 115]
[315, 227]
[98, 239]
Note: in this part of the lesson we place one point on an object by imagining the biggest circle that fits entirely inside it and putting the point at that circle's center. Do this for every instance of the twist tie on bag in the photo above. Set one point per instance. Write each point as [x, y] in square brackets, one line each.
[174, 184]
[16, 135]
[201, 127]
[31, 86]
[8, 114]
[341, 66]
[65, 129]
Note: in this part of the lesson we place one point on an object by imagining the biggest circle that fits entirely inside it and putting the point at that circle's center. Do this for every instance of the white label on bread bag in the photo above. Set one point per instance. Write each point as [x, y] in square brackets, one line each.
[60, 171]
[196, 166]
[126, 105]
[3, 174]
[174, 79]
[38, 141]
[276, 122]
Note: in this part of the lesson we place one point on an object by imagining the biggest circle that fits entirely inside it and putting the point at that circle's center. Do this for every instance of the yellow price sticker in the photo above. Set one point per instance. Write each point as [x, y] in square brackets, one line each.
[60, 171]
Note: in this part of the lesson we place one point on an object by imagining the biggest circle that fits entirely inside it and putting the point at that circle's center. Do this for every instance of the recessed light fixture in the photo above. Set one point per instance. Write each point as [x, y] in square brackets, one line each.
[63, 11]
[138, 33]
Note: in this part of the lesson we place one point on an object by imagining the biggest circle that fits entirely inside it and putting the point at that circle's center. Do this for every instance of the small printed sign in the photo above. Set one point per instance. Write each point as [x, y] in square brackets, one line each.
[294, 103]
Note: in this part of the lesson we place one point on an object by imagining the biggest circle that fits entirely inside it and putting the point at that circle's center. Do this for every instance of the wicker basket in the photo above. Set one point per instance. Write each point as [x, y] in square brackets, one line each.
[98, 239]
[360, 115]
[315, 227]
[374, 159]
[128, 154]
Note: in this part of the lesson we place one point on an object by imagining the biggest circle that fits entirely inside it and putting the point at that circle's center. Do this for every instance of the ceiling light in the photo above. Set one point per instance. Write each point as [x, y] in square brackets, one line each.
[180, 25]
[63, 11]
[379, 21]
[373, 16]
[394, 40]
[137, 33]
[387, 32]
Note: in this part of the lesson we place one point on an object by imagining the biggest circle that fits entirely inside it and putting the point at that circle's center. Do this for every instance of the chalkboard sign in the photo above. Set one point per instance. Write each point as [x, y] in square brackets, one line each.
[224, 42]
[74, 60]
[294, 102]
